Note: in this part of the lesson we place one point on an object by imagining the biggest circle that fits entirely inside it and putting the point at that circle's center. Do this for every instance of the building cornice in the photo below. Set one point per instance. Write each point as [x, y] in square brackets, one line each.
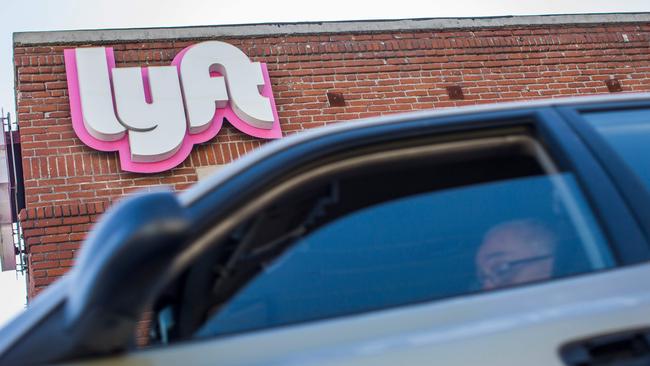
[334, 27]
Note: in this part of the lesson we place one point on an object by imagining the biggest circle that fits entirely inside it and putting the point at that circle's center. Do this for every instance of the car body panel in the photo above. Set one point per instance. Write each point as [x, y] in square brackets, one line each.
[519, 326]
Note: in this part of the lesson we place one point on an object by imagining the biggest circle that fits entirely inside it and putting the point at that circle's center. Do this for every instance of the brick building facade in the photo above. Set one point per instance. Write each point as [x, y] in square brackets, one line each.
[379, 67]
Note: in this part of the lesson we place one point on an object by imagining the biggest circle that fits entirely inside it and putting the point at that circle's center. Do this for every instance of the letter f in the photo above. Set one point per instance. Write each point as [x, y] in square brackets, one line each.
[203, 93]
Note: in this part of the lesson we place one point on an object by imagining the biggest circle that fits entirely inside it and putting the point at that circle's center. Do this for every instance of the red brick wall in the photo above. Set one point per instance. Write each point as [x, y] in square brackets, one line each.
[67, 184]
[53, 235]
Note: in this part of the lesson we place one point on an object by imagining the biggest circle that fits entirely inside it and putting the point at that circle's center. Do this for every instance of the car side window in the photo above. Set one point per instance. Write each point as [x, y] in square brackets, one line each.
[627, 131]
[406, 227]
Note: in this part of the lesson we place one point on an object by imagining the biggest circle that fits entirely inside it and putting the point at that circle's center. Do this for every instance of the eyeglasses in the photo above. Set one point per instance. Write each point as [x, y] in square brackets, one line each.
[501, 273]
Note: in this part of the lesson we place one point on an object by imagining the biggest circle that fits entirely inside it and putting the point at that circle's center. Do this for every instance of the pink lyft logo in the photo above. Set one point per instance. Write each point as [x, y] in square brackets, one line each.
[154, 115]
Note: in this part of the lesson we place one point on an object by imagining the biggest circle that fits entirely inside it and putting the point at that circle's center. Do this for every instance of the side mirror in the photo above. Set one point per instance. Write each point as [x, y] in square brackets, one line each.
[122, 265]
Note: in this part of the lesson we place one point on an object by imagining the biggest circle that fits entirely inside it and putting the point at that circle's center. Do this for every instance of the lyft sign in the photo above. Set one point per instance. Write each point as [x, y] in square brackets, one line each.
[154, 115]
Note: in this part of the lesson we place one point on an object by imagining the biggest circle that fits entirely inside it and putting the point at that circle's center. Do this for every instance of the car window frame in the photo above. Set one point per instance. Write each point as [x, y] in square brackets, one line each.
[560, 141]
[634, 193]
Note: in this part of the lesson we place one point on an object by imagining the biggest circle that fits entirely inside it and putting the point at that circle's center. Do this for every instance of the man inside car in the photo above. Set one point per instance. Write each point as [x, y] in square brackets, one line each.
[516, 252]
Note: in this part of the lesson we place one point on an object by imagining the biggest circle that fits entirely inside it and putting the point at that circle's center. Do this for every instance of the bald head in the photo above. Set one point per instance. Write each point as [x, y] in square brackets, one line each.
[514, 252]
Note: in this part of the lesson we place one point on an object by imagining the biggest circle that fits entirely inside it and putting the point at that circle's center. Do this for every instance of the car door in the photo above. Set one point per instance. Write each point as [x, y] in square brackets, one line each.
[486, 238]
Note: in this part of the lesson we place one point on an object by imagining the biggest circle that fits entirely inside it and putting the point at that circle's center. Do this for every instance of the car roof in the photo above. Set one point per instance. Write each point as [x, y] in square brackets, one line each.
[204, 187]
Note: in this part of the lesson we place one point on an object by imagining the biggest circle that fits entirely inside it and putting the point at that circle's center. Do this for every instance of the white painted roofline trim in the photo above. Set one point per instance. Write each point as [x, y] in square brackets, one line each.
[271, 29]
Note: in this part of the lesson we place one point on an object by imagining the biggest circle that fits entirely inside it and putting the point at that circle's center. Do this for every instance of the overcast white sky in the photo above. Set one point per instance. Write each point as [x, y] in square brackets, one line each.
[40, 15]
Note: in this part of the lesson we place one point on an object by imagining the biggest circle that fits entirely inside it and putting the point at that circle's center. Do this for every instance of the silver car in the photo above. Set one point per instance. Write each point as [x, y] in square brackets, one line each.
[510, 234]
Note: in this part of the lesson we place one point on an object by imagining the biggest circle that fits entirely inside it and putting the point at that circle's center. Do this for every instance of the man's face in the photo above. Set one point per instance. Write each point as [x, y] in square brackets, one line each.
[513, 255]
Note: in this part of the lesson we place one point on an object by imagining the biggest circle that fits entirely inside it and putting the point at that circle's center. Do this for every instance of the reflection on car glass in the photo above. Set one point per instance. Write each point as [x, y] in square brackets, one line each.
[627, 131]
[420, 248]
